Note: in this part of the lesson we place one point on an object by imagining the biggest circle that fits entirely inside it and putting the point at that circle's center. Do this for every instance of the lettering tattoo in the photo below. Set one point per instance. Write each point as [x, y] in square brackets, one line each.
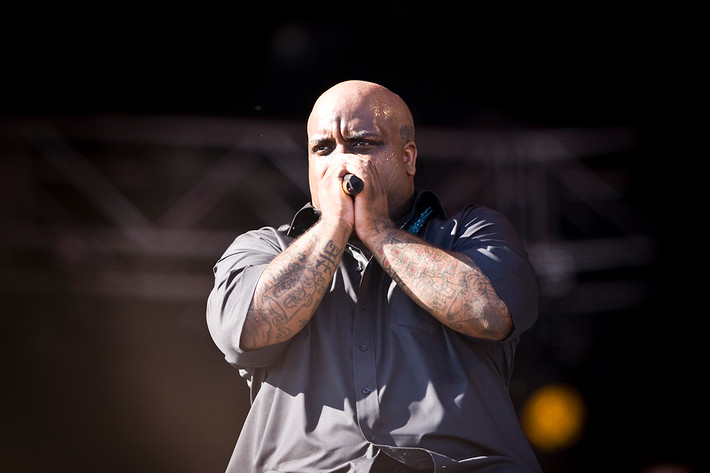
[328, 256]
[291, 289]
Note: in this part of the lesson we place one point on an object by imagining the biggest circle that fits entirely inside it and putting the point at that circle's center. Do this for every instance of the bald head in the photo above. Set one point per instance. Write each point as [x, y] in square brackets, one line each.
[383, 104]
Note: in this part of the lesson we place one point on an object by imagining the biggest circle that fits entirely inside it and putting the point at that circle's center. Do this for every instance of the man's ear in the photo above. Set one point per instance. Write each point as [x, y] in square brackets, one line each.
[410, 157]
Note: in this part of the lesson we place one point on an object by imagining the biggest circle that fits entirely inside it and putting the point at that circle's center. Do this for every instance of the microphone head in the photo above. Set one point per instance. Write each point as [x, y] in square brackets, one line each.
[352, 184]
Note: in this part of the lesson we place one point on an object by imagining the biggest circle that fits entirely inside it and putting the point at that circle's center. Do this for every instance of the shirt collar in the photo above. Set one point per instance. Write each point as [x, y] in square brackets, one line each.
[422, 201]
[302, 221]
[308, 215]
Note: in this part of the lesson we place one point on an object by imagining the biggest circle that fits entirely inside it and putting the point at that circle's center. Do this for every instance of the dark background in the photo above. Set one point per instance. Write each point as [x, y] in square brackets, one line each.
[105, 371]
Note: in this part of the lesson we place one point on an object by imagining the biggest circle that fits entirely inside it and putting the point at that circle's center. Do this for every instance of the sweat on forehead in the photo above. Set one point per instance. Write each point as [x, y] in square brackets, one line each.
[379, 101]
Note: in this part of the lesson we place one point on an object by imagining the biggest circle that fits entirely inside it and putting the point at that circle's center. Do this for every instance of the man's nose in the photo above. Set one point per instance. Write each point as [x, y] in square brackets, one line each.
[343, 152]
[343, 149]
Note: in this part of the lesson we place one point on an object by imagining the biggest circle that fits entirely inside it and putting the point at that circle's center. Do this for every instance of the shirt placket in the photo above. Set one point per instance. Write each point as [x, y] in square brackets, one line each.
[364, 362]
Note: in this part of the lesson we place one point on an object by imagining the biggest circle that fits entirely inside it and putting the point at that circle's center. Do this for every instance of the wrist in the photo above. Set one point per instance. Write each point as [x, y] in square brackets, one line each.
[335, 225]
[376, 230]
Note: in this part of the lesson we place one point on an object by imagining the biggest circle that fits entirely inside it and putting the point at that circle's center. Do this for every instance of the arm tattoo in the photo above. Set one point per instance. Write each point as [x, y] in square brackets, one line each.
[289, 294]
[450, 287]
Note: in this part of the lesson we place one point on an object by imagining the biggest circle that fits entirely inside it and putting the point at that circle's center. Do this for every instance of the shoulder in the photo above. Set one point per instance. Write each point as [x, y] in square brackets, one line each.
[475, 217]
[259, 239]
[254, 247]
[477, 223]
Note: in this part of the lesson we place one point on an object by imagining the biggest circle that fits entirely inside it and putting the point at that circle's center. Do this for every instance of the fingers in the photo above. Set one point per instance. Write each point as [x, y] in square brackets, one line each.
[333, 200]
[338, 199]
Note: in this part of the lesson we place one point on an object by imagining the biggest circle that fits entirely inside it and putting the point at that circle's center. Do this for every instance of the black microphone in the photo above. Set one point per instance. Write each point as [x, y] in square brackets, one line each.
[352, 184]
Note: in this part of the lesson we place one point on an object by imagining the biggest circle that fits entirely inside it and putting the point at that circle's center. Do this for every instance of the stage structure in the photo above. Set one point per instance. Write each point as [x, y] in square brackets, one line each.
[142, 206]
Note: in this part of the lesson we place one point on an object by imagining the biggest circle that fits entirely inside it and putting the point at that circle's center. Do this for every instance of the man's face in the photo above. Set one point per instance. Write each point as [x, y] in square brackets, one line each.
[350, 126]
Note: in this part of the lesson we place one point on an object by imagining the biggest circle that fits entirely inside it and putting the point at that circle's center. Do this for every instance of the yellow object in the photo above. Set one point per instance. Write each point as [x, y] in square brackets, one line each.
[553, 417]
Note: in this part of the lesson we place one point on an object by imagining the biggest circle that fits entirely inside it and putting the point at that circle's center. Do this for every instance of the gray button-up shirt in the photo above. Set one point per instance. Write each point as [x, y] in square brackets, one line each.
[372, 372]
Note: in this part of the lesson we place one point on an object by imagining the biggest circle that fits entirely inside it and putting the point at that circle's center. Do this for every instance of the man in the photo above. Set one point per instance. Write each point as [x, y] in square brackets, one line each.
[376, 333]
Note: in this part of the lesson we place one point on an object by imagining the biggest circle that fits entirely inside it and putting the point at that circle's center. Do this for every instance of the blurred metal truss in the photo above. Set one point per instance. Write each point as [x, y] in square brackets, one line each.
[142, 206]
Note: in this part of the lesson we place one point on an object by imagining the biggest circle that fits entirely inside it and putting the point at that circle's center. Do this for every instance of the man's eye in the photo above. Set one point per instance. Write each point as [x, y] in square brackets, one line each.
[362, 144]
[322, 149]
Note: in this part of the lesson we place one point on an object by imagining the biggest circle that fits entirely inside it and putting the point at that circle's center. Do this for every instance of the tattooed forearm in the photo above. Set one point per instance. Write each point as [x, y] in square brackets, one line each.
[327, 257]
[288, 293]
[450, 287]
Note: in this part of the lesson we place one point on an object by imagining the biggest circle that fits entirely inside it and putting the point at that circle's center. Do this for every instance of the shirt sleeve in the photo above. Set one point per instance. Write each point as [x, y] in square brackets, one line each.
[490, 240]
[236, 276]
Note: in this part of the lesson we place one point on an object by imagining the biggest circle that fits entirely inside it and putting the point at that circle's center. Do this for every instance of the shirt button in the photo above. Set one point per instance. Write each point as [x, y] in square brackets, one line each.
[366, 390]
[363, 347]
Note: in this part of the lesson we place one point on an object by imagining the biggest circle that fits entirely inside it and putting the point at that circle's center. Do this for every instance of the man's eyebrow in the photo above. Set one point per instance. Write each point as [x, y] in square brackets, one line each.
[356, 135]
[319, 139]
[359, 135]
